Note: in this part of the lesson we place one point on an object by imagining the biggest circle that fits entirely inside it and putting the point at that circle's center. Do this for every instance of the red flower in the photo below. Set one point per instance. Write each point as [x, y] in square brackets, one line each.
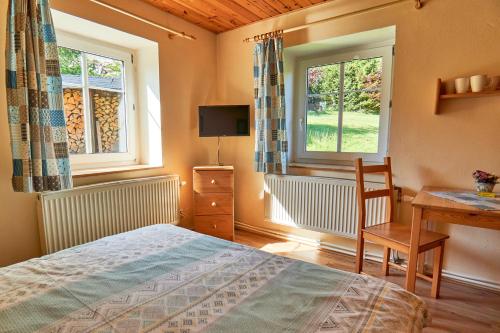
[484, 177]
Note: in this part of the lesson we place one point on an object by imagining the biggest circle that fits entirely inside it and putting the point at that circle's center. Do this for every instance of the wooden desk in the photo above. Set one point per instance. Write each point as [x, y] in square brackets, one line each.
[427, 207]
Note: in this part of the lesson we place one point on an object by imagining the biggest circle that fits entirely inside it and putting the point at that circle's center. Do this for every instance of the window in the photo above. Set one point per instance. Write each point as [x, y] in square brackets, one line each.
[343, 106]
[98, 100]
[111, 83]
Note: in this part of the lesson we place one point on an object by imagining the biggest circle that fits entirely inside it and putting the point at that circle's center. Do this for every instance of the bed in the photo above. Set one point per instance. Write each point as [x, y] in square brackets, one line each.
[164, 278]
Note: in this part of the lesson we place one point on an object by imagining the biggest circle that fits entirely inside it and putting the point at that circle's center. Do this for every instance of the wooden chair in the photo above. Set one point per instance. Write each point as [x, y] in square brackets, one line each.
[391, 235]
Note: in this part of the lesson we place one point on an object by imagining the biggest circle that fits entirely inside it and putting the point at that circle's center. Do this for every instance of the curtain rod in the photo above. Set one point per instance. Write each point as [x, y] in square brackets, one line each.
[280, 32]
[172, 33]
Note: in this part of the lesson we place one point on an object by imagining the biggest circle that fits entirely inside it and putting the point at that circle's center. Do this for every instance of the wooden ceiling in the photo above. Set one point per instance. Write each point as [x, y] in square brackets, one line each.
[223, 15]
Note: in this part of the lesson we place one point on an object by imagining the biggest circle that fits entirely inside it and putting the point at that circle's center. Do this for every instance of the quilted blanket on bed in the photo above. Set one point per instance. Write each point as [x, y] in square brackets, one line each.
[168, 279]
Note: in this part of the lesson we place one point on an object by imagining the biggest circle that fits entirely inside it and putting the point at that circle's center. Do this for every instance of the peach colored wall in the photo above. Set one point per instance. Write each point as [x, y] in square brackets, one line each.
[187, 79]
[447, 38]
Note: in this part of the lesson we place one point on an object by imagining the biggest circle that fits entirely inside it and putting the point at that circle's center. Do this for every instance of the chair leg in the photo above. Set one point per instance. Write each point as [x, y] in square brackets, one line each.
[436, 270]
[421, 256]
[386, 259]
[360, 250]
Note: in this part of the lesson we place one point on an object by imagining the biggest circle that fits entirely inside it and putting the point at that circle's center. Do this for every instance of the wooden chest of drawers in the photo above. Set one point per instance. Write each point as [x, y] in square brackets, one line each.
[213, 188]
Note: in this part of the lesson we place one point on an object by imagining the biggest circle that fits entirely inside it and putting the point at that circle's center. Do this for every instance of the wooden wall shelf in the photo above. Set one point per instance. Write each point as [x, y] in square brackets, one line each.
[443, 96]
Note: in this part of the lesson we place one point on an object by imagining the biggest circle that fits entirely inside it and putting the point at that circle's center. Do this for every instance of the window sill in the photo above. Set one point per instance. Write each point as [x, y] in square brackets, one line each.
[112, 170]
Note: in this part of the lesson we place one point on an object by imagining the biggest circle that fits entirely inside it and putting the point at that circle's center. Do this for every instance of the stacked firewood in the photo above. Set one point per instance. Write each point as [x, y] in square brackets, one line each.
[73, 108]
[106, 108]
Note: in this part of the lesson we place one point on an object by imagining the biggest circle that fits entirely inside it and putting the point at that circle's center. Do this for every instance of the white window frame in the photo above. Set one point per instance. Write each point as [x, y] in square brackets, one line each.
[300, 154]
[104, 160]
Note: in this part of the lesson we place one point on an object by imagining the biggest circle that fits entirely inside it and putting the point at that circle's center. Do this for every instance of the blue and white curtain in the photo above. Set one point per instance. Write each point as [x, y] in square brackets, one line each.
[38, 134]
[271, 144]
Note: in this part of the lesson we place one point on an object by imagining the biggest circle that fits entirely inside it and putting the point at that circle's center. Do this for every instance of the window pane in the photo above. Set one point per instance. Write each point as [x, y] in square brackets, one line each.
[73, 109]
[322, 123]
[71, 66]
[105, 76]
[108, 112]
[363, 74]
[105, 73]
[323, 79]
[360, 122]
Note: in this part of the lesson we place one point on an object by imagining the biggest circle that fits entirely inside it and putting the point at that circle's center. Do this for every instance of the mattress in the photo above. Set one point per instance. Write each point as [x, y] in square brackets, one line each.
[164, 278]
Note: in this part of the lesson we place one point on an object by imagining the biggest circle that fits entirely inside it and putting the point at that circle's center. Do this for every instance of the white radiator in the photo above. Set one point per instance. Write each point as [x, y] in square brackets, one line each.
[86, 213]
[319, 204]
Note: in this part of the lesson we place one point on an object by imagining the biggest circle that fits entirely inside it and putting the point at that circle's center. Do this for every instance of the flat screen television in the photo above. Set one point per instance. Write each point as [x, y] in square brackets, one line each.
[224, 120]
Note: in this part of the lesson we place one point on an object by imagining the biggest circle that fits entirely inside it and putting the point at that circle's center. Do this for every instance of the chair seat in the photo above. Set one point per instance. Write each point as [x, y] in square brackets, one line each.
[400, 234]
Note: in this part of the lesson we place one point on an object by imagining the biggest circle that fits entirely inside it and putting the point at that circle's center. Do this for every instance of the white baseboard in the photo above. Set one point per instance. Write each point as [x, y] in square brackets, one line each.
[449, 275]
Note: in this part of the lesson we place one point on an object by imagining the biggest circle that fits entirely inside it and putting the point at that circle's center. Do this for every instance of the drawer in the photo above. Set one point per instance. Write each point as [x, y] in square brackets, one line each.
[215, 225]
[212, 181]
[213, 203]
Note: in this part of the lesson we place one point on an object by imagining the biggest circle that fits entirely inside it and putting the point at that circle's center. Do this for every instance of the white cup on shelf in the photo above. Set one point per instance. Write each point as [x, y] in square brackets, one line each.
[478, 83]
[462, 85]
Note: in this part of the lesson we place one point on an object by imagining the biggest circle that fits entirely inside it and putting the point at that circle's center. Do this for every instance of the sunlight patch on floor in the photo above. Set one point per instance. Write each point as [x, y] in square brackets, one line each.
[279, 247]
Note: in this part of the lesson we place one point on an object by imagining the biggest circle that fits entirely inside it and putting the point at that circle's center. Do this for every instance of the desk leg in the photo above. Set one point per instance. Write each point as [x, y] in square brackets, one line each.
[416, 225]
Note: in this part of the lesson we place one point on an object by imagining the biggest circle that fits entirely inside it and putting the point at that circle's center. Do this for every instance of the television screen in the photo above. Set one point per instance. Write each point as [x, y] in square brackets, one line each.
[224, 120]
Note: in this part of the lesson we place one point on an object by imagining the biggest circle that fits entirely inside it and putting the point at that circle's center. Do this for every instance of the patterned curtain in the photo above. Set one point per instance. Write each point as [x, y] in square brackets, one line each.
[37, 123]
[271, 144]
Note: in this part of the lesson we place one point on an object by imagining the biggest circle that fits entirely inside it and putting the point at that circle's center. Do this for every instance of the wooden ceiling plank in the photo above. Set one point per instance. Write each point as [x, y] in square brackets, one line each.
[258, 11]
[220, 8]
[202, 8]
[277, 5]
[188, 15]
[268, 10]
[304, 3]
[291, 4]
[223, 15]
[203, 15]
[238, 10]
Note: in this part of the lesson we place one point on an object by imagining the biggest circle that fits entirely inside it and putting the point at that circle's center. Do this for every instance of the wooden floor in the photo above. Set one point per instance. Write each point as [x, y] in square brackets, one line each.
[461, 308]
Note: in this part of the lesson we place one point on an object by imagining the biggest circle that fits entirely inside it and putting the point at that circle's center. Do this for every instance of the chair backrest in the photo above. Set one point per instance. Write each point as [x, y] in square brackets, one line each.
[363, 195]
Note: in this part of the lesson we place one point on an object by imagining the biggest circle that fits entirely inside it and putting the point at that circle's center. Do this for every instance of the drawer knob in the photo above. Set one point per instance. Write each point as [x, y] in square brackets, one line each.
[214, 204]
[214, 226]
[212, 181]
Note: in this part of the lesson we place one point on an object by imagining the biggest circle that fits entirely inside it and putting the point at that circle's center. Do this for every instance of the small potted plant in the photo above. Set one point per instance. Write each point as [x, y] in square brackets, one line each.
[485, 182]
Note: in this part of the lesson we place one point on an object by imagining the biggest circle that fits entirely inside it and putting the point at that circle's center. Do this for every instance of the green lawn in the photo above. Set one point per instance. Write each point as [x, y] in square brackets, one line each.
[360, 132]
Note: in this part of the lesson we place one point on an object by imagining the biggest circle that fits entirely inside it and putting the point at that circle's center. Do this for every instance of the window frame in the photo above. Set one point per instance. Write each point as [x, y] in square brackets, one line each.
[300, 154]
[104, 49]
